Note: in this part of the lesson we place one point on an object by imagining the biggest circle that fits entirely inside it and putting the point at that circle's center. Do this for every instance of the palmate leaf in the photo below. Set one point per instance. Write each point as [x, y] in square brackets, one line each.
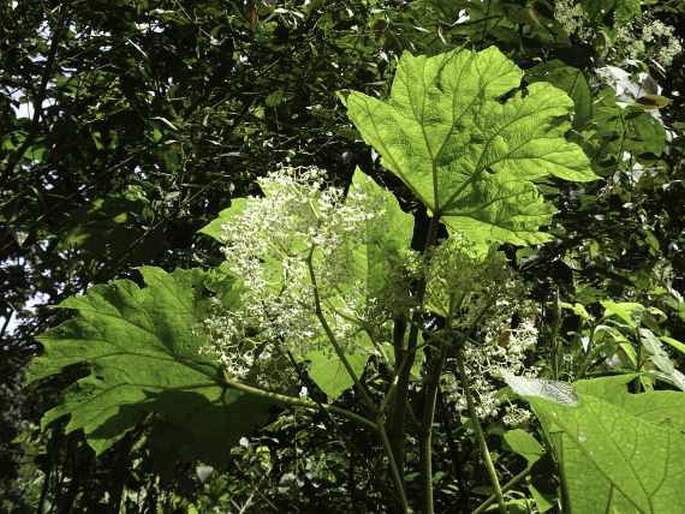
[469, 155]
[620, 452]
[141, 347]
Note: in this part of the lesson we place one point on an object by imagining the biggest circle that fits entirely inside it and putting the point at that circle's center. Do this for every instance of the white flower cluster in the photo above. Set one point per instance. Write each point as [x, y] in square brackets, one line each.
[643, 39]
[500, 348]
[461, 281]
[474, 290]
[647, 40]
[270, 246]
[573, 19]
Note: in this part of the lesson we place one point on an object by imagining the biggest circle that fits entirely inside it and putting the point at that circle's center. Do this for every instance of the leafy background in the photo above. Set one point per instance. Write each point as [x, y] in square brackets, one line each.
[142, 119]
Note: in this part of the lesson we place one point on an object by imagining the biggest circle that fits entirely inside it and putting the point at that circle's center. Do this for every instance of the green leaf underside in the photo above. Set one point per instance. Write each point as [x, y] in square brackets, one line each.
[369, 268]
[468, 156]
[141, 346]
[620, 452]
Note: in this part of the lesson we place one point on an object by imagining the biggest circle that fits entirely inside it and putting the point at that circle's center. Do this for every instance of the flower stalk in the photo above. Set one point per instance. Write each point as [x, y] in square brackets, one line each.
[480, 436]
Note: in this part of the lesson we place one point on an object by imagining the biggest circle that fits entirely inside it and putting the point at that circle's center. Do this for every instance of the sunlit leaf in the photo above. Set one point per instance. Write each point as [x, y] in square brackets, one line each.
[466, 152]
[370, 266]
[620, 452]
[213, 228]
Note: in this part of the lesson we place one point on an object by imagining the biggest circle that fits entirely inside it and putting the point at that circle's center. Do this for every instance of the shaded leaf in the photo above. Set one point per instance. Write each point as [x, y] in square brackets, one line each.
[142, 349]
[571, 80]
[524, 444]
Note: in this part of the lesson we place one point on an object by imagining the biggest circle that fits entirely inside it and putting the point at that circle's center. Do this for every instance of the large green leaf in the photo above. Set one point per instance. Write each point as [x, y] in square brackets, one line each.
[620, 452]
[467, 153]
[141, 347]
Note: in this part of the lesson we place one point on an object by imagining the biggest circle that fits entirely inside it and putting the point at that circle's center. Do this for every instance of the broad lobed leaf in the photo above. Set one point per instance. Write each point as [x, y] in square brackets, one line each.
[469, 155]
[142, 349]
[371, 266]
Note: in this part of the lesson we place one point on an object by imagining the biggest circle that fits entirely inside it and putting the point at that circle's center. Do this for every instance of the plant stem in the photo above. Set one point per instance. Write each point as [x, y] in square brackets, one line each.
[405, 356]
[432, 387]
[511, 483]
[58, 31]
[297, 401]
[318, 310]
[397, 477]
[482, 443]
[380, 424]
[554, 337]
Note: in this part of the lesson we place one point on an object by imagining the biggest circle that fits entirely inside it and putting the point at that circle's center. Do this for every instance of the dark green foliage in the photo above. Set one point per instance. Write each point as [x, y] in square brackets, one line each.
[146, 117]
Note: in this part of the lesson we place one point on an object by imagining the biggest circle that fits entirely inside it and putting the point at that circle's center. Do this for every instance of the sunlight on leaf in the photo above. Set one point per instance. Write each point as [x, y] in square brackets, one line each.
[141, 347]
[468, 155]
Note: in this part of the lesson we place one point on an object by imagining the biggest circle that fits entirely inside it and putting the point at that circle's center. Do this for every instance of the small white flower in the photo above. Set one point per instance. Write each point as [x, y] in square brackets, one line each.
[268, 246]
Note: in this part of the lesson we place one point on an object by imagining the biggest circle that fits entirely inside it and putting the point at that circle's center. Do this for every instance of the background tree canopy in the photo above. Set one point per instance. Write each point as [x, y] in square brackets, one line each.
[126, 126]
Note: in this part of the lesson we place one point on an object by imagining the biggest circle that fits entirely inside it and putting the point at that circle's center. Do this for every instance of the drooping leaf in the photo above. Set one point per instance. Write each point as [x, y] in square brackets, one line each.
[674, 343]
[142, 349]
[615, 129]
[620, 452]
[660, 358]
[551, 390]
[467, 154]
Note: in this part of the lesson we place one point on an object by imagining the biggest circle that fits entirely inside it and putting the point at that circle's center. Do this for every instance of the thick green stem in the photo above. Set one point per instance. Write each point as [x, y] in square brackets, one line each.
[482, 443]
[405, 356]
[431, 396]
[297, 401]
[396, 471]
[397, 477]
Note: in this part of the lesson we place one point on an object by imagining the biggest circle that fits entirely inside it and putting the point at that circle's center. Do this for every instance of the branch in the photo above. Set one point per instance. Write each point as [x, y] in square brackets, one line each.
[296, 401]
[38, 99]
[511, 483]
